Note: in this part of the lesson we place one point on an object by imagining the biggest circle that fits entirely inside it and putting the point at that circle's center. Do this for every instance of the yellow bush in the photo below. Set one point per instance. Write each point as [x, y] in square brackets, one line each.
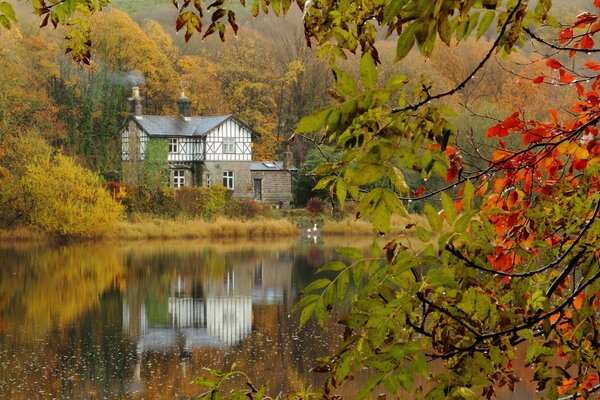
[68, 200]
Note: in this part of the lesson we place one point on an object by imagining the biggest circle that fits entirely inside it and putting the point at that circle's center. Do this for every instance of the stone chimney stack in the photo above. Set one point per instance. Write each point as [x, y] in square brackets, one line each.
[135, 101]
[184, 105]
[288, 158]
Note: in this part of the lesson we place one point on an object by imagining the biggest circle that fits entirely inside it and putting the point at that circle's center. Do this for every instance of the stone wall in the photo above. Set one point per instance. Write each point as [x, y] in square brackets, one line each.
[276, 186]
[243, 185]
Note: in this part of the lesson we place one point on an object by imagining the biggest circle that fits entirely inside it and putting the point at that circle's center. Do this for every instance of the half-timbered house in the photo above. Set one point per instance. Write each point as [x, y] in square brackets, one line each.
[204, 151]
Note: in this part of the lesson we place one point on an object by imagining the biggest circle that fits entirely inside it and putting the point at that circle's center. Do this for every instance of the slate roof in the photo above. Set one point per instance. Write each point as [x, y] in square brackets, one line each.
[156, 125]
[268, 166]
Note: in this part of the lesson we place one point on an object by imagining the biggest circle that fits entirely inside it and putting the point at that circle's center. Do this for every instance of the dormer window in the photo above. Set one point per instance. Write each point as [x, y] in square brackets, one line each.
[172, 146]
[229, 145]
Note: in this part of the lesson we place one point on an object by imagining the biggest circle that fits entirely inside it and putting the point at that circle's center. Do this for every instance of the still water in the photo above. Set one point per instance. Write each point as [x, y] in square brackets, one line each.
[142, 320]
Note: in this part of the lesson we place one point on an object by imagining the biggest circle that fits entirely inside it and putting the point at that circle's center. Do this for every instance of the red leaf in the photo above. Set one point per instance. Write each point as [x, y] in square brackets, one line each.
[566, 77]
[451, 174]
[538, 79]
[554, 113]
[420, 190]
[552, 63]
[495, 131]
[565, 35]
[597, 3]
[587, 42]
[580, 89]
[592, 65]
[580, 164]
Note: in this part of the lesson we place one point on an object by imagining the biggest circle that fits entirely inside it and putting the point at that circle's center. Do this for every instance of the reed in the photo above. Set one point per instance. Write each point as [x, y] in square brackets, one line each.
[22, 233]
[220, 228]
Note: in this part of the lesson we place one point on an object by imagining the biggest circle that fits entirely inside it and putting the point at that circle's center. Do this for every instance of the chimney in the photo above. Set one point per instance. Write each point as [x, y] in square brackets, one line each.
[288, 158]
[184, 105]
[135, 102]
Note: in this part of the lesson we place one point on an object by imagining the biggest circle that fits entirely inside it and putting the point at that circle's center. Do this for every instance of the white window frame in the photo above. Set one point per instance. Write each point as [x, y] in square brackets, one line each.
[207, 180]
[178, 178]
[228, 145]
[173, 146]
[229, 180]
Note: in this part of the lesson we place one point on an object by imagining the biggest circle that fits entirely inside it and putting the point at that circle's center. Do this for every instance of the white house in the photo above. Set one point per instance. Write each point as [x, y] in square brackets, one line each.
[205, 151]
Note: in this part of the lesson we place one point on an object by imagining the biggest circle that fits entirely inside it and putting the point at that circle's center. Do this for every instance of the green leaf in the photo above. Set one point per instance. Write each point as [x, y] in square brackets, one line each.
[449, 210]
[406, 41]
[466, 393]
[368, 173]
[396, 82]
[325, 169]
[468, 195]
[343, 280]
[350, 252]
[332, 266]
[381, 217]
[316, 285]
[307, 313]
[7, 10]
[4, 21]
[398, 180]
[341, 192]
[313, 122]
[344, 83]
[368, 71]
[485, 23]
[422, 234]
[433, 217]
[205, 382]
[393, 203]
[461, 223]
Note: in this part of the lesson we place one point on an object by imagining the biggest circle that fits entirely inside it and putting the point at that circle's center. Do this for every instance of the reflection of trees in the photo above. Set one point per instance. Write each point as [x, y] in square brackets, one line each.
[54, 337]
[87, 355]
[46, 288]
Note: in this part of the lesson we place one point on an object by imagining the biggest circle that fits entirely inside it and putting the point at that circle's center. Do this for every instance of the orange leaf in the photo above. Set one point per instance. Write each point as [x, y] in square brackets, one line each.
[538, 79]
[567, 383]
[554, 114]
[552, 63]
[597, 3]
[578, 301]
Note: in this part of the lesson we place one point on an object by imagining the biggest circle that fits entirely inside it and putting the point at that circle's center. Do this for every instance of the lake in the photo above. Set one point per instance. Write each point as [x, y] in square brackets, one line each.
[141, 320]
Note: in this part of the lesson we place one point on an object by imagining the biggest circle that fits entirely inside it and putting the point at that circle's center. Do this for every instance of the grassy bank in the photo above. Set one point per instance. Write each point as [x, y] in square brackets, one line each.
[151, 228]
[220, 228]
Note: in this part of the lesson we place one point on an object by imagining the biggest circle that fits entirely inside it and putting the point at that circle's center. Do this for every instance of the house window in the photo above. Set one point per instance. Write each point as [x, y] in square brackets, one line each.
[178, 178]
[228, 179]
[228, 145]
[172, 146]
[207, 180]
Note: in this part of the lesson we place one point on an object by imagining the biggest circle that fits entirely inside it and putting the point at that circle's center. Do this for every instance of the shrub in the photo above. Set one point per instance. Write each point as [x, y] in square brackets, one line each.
[246, 209]
[314, 206]
[68, 200]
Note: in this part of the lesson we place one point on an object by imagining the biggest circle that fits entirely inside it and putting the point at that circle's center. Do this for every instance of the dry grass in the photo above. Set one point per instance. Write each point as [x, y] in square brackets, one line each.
[22, 233]
[361, 227]
[220, 228]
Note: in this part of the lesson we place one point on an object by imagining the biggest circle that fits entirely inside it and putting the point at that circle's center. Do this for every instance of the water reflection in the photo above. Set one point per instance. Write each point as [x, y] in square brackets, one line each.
[141, 321]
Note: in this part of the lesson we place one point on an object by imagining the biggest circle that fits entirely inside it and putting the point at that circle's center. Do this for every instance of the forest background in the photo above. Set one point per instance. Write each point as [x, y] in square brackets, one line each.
[265, 75]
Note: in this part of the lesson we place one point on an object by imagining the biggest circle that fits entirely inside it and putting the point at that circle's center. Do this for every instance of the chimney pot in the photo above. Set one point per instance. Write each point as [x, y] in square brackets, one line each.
[135, 101]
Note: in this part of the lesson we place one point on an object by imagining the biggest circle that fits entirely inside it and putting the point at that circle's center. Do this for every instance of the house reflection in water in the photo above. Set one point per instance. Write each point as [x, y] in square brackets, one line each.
[207, 310]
